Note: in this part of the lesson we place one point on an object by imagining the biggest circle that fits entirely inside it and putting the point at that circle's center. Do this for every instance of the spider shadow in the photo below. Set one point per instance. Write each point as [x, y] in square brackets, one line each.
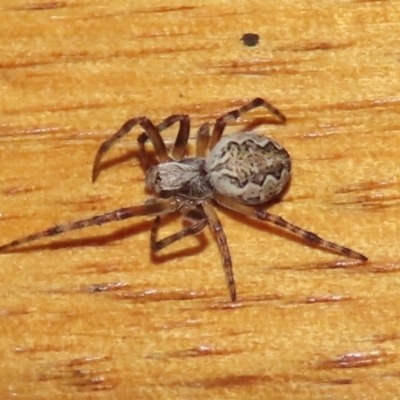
[128, 156]
[265, 225]
[119, 235]
[134, 154]
[268, 226]
[202, 243]
[91, 241]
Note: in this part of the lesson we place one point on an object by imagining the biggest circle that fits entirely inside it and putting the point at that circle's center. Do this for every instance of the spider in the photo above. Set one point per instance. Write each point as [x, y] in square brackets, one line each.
[240, 172]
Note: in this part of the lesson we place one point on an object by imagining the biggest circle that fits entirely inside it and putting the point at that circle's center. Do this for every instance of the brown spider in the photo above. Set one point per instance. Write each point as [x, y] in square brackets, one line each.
[240, 172]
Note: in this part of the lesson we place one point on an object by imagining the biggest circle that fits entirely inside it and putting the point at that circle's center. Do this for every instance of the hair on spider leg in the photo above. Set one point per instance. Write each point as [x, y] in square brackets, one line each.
[240, 171]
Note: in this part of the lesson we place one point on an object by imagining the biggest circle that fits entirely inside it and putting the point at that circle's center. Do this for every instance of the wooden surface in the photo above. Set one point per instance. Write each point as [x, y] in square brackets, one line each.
[92, 314]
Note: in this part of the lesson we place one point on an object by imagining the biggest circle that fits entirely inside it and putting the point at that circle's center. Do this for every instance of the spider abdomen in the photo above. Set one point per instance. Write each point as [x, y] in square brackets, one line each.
[248, 167]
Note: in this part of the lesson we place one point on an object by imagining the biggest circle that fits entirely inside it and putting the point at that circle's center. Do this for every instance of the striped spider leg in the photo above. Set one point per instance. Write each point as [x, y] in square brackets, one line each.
[307, 236]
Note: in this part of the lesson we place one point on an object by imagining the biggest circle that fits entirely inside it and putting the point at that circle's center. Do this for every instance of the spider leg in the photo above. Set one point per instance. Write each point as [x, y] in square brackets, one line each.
[288, 226]
[235, 114]
[158, 207]
[179, 148]
[202, 140]
[218, 230]
[192, 229]
[151, 131]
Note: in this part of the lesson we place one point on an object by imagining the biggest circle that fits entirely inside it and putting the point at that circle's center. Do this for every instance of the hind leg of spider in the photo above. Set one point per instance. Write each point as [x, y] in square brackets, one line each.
[179, 148]
[235, 114]
[307, 236]
[158, 207]
[193, 229]
[219, 233]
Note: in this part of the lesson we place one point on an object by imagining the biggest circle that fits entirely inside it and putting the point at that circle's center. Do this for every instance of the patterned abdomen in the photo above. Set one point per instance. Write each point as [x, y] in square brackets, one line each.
[248, 167]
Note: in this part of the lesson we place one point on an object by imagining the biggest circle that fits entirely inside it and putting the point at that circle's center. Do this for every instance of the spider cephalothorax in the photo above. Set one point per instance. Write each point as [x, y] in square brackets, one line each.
[187, 178]
[239, 171]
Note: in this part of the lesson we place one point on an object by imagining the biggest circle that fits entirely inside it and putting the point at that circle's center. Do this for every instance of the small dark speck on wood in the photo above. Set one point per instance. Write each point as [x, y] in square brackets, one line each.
[250, 39]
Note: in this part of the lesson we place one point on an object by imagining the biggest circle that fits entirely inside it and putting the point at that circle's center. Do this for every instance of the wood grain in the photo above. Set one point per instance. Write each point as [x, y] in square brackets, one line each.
[93, 314]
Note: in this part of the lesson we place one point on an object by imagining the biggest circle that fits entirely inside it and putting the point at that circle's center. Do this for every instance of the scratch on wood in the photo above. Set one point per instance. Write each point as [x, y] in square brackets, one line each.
[373, 202]
[343, 381]
[362, 104]
[39, 6]
[105, 287]
[228, 381]
[313, 46]
[384, 268]
[339, 264]
[84, 374]
[199, 351]
[15, 190]
[254, 66]
[156, 295]
[366, 186]
[39, 349]
[357, 360]
[164, 9]
[386, 338]
[322, 299]
[5, 312]
[248, 302]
